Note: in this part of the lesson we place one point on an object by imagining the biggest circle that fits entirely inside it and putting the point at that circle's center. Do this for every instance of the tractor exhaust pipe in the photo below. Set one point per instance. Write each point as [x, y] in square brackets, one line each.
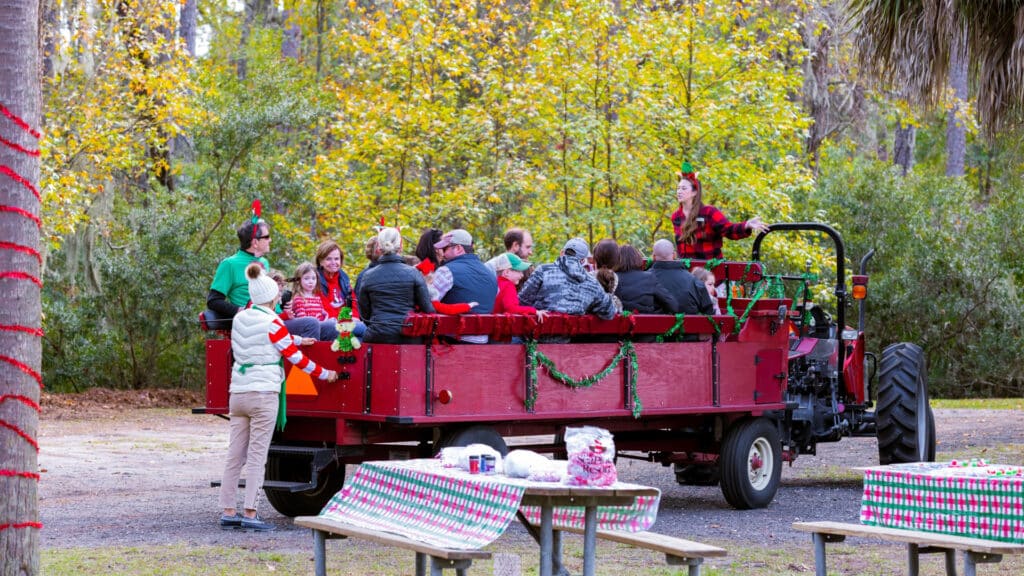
[863, 302]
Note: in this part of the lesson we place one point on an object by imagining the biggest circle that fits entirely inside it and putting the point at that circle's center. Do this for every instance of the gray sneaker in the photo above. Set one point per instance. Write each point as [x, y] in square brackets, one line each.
[256, 524]
[230, 521]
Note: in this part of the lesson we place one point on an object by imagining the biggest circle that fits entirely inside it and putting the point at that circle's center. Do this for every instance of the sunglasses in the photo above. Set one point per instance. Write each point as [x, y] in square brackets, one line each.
[267, 237]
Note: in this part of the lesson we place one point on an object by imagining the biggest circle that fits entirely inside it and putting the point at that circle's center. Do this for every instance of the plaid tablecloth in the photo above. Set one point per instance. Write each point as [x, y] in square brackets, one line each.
[420, 499]
[980, 501]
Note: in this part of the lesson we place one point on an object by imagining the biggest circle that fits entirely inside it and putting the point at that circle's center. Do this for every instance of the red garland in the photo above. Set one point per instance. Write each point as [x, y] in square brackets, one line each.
[19, 275]
[17, 178]
[22, 249]
[21, 525]
[21, 123]
[22, 276]
[24, 368]
[17, 328]
[18, 147]
[23, 212]
[13, 473]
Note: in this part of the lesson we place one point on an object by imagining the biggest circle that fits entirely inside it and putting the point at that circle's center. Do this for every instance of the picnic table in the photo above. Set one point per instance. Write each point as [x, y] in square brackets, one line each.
[452, 510]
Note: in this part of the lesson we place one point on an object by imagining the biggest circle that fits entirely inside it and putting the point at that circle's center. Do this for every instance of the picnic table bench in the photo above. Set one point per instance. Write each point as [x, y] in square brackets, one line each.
[440, 558]
[976, 550]
[678, 551]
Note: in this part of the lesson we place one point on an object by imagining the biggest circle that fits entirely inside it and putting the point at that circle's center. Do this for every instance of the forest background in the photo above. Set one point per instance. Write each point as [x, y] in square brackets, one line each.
[164, 119]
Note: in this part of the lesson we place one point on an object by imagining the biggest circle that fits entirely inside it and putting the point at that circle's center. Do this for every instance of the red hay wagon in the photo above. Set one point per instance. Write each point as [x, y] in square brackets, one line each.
[737, 396]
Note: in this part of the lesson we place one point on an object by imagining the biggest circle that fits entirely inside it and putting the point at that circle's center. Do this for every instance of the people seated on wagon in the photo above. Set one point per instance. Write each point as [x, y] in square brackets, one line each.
[565, 286]
[639, 290]
[509, 269]
[707, 278]
[429, 260]
[462, 277]
[690, 294]
[372, 254]
[699, 227]
[305, 302]
[606, 259]
[390, 291]
[229, 291]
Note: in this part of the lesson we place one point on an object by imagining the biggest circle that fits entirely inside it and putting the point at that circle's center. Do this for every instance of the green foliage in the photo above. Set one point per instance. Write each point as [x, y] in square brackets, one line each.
[944, 274]
[138, 328]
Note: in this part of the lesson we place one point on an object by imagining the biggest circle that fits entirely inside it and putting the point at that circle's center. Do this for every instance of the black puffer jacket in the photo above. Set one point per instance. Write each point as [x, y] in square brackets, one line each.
[690, 294]
[641, 292]
[388, 293]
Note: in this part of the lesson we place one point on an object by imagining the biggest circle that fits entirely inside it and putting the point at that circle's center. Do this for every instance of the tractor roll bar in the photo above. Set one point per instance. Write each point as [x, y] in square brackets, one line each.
[840, 270]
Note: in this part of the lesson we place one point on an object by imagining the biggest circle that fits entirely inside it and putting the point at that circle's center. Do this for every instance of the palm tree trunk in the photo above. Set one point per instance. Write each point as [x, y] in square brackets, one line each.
[20, 264]
[903, 147]
[956, 132]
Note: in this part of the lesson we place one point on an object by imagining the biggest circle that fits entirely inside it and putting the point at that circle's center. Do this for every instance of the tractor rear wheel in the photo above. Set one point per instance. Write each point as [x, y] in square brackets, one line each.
[906, 425]
[751, 463]
[294, 468]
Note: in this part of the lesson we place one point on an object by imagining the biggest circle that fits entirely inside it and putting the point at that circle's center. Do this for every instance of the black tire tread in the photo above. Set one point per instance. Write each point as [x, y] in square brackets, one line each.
[732, 466]
[901, 375]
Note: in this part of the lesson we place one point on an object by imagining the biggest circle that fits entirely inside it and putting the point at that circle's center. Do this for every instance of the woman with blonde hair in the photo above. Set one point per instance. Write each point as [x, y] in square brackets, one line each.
[390, 291]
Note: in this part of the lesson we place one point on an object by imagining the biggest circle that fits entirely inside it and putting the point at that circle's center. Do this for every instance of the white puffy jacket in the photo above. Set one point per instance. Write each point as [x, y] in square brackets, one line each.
[250, 343]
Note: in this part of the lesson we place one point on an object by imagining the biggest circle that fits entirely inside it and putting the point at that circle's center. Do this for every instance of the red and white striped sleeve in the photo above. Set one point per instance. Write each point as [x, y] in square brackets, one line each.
[282, 340]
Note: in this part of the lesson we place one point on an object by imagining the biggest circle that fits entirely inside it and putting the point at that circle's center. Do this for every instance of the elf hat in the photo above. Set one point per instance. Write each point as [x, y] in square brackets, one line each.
[686, 171]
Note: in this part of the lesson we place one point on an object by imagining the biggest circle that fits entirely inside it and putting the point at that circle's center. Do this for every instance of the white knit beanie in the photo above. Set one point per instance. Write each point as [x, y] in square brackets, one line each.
[262, 288]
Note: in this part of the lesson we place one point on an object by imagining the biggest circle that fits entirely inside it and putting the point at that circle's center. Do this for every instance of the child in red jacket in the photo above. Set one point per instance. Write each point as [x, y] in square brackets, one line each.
[509, 269]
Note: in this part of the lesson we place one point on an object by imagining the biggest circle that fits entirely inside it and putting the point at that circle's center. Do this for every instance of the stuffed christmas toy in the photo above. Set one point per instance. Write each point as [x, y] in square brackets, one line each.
[346, 341]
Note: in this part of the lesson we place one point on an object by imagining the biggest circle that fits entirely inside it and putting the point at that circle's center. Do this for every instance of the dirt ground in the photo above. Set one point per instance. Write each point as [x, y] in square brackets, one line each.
[134, 468]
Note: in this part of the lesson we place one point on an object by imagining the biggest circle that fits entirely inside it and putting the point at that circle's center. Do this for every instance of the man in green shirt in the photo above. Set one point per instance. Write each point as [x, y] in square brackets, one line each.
[229, 291]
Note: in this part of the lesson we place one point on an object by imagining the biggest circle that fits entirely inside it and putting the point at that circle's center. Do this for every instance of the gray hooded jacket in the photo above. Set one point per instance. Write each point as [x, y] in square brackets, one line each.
[565, 286]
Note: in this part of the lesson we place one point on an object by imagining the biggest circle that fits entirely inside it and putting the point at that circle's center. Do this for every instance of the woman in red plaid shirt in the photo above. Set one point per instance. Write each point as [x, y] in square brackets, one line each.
[699, 227]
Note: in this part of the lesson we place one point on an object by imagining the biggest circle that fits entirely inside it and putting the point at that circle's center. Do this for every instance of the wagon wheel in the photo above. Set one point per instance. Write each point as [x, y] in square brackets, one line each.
[751, 463]
[292, 468]
[474, 435]
[906, 425]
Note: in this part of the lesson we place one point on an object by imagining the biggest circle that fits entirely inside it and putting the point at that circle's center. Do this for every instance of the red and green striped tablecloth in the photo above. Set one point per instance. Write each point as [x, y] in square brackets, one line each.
[420, 499]
[980, 501]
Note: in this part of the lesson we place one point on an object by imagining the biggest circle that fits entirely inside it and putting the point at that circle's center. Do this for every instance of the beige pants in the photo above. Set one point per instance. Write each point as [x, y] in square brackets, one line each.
[253, 415]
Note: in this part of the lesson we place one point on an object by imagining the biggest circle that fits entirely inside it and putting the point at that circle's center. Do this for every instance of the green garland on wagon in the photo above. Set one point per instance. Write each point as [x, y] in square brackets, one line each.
[537, 358]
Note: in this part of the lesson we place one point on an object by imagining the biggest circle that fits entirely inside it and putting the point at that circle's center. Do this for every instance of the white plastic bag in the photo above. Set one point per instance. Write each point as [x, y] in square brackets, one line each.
[519, 462]
[591, 456]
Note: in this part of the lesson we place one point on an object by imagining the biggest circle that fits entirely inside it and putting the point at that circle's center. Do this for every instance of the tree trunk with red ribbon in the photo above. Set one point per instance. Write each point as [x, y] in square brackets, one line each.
[20, 285]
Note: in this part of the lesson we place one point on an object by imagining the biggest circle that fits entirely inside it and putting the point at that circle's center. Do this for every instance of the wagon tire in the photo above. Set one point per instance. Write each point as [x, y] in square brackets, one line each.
[474, 435]
[293, 468]
[905, 422]
[751, 463]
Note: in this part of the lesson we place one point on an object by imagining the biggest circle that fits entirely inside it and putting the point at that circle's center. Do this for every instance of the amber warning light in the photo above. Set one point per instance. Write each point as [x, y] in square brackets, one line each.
[860, 286]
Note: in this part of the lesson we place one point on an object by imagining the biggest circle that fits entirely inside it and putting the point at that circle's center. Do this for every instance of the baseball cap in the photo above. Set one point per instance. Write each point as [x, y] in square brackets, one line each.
[457, 236]
[576, 247]
[506, 261]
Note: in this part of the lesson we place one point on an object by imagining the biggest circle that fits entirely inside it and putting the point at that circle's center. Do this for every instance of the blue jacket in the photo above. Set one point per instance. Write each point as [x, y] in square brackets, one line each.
[473, 282]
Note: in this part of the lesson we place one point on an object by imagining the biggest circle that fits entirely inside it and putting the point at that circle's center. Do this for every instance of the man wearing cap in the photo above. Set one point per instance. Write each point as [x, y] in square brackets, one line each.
[691, 296]
[464, 278]
[565, 286]
[229, 291]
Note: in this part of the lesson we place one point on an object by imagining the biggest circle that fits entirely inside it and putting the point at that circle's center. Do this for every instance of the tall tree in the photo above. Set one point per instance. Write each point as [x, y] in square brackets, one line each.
[20, 264]
[907, 44]
[956, 128]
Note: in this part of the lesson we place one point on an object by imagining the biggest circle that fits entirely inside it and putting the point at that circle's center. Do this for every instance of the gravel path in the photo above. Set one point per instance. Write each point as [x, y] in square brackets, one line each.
[142, 477]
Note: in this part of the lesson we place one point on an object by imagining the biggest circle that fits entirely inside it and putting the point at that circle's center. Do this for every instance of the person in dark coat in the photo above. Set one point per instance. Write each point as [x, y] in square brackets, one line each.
[689, 293]
[390, 291]
[639, 290]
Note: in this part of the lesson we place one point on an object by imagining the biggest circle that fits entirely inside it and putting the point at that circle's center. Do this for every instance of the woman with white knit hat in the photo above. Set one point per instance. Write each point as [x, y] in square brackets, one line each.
[259, 341]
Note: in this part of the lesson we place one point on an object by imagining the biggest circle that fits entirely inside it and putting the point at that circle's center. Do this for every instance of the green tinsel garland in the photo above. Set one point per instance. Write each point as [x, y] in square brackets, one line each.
[535, 358]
